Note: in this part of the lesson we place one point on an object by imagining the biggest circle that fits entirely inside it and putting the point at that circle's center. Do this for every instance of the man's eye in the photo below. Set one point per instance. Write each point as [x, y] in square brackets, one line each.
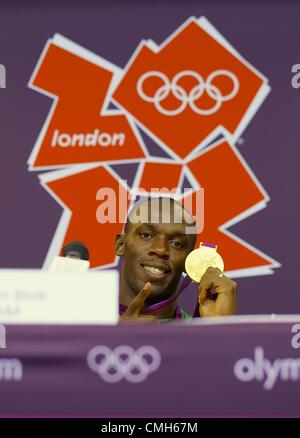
[145, 235]
[177, 244]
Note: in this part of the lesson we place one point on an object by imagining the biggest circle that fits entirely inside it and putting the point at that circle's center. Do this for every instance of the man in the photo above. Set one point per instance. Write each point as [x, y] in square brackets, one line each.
[154, 251]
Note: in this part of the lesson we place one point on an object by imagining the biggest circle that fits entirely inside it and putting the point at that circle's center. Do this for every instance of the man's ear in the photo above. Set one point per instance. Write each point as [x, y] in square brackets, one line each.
[120, 244]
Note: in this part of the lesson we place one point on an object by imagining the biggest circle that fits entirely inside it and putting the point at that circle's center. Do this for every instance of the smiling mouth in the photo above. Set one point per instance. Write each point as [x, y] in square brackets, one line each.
[156, 271]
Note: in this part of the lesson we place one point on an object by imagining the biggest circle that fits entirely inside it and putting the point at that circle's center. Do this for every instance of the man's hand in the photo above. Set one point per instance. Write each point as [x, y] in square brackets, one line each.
[217, 294]
[132, 313]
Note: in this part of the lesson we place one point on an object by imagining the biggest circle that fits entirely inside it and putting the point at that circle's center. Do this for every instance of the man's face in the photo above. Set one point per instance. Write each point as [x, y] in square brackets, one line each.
[155, 252]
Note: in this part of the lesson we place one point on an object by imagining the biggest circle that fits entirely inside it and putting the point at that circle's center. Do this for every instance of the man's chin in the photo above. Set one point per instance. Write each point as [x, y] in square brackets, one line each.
[158, 294]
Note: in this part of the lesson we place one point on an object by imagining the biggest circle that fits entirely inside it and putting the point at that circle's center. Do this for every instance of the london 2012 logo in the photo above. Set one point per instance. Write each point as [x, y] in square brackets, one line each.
[170, 121]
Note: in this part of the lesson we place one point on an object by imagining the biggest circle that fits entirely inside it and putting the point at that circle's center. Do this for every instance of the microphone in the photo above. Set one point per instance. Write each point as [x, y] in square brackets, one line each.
[74, 258]
[76, 250]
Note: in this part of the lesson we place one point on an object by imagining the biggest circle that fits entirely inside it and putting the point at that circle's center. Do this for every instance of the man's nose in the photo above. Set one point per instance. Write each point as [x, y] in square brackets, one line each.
[159, 248]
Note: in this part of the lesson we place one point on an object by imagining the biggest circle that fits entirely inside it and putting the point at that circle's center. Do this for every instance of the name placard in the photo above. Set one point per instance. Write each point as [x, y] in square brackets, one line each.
[41, 297]
[68, 264]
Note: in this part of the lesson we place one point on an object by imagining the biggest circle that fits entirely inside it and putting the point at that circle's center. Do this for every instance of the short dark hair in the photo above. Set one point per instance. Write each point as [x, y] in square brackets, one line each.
[160, 201]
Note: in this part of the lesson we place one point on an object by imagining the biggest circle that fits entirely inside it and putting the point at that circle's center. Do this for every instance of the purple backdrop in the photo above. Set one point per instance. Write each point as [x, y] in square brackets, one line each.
[266, 33]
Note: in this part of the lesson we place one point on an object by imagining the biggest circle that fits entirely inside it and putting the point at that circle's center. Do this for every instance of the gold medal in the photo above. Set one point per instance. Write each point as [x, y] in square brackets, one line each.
[202, 258]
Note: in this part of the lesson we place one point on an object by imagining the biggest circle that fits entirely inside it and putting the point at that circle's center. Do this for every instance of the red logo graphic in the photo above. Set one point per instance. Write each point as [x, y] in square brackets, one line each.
[154, 176]
[183, 94]
[78, 129]
[228, 194]
[78, 195]
[192, 86]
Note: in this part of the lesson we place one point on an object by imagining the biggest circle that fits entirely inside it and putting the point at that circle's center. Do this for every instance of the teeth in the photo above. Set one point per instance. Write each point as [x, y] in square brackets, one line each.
[154, 270]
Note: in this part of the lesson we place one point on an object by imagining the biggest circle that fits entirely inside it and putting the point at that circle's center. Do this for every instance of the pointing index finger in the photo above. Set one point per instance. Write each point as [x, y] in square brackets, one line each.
[138, 302]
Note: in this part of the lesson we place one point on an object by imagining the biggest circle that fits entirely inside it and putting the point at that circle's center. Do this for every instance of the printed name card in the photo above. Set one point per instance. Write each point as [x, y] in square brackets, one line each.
[41, 297]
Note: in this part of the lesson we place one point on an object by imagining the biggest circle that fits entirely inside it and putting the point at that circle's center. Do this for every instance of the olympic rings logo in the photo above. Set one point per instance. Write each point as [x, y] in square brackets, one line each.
[123, 362]
[187, 98]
